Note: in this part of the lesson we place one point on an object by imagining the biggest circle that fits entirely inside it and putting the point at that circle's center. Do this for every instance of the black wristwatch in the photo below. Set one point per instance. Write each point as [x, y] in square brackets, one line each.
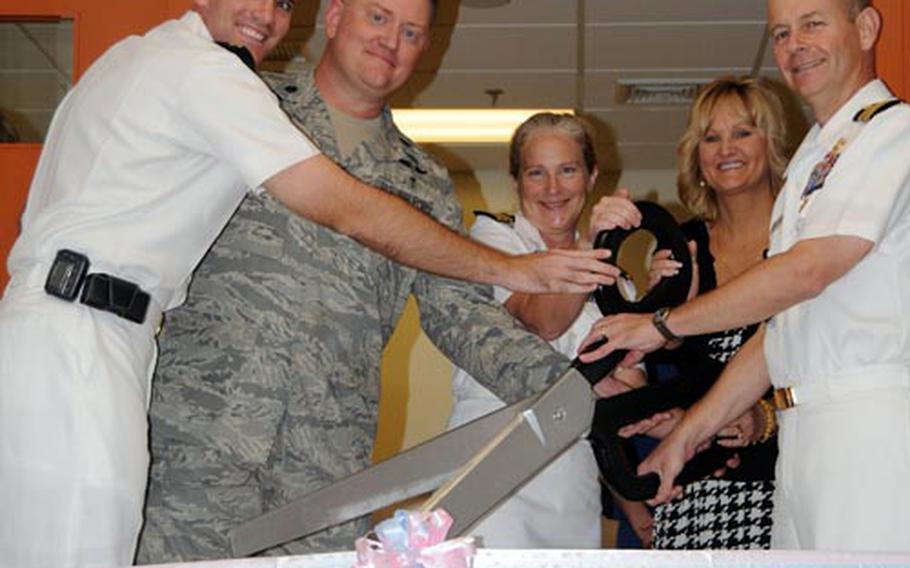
[659, 319]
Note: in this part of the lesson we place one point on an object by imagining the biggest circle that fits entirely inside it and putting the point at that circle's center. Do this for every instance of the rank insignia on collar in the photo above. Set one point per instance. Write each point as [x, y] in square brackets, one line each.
[869, 112]
[504, 218]
[820, 173]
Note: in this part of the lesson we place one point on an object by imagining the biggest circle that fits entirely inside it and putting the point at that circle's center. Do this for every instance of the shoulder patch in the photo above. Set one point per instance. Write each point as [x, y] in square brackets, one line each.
[284, 85]
[504, 218]
[869, 112]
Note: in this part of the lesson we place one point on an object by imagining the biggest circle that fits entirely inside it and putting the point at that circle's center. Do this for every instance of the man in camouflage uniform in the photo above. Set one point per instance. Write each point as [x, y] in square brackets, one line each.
[268, 380]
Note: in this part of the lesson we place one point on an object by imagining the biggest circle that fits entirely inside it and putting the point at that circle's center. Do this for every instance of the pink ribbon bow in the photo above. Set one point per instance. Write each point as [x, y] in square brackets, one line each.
[412, 539]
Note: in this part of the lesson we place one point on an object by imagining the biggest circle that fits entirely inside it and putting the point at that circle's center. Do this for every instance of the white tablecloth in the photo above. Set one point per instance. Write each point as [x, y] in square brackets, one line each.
[598, 559]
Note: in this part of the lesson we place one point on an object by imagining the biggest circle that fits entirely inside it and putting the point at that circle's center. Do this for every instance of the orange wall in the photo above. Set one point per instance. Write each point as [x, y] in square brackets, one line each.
[96, 25]
[893, 50]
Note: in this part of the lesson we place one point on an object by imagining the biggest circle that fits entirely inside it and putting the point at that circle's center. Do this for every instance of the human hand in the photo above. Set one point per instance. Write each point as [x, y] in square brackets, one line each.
[613, 211]
[559, 271]
[663, 265]
[619, 381]
[632, 332]
[657, 426]
[743, 430]
[610, 386]
[667, 460]
[642, 524]
[732, 463]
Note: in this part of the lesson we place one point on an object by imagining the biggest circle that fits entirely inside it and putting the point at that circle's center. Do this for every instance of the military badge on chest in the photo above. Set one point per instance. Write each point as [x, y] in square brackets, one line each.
[820, 174]
[851, 131]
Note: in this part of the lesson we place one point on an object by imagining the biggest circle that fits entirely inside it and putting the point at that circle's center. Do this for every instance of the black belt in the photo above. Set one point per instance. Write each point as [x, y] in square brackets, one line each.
[69, 274]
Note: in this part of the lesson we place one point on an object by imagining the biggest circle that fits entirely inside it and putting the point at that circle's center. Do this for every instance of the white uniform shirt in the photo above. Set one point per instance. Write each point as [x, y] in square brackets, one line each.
[859, 321]
[524, 238]
[150, 155]
[560, 506]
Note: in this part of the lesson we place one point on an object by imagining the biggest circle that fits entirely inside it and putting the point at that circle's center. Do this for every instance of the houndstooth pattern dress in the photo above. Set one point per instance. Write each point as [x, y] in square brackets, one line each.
[733, 512]
[716, 513]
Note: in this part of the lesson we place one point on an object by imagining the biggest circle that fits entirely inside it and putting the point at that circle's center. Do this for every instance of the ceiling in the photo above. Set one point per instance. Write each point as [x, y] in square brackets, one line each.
[574, 54]
[538, 53]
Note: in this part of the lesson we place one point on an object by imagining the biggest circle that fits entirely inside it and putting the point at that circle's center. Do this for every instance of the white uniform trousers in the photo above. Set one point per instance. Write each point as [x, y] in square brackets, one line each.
[843, 474]
[559, 508]
[74, 384]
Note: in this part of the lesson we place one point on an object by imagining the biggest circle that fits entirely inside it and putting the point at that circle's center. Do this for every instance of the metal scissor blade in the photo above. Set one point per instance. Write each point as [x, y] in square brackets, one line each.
[418, 470]
[556, 420]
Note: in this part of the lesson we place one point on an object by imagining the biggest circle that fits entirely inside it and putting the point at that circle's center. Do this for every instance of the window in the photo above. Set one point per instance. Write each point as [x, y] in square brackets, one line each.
[36, 71]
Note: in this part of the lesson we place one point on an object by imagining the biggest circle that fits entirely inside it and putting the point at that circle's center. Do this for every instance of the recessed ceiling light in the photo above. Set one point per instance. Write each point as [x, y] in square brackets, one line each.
[463, 125]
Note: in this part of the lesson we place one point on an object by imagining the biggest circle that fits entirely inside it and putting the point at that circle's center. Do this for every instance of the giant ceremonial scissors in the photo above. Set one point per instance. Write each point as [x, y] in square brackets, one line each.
[474, 467]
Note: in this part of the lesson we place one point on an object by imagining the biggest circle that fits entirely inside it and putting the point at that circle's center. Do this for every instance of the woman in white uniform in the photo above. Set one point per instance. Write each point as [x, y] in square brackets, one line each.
[552, 161]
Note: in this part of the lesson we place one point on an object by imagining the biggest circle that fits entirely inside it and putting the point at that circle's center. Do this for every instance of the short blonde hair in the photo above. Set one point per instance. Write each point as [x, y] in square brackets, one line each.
[571, 125]
[760, 105]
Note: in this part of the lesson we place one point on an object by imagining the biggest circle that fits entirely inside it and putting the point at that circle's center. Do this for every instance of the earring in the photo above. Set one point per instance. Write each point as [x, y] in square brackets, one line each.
[702, 184]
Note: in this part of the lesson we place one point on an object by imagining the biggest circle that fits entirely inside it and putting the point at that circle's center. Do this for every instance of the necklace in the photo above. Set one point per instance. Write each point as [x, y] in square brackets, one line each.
[731, 262]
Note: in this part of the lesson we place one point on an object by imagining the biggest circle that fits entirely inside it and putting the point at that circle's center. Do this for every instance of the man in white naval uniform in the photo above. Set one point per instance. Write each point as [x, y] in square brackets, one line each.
[145, 161]
[834, 287]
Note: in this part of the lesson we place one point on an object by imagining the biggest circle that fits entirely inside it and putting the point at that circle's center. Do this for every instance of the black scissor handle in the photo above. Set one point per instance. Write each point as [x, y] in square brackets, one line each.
[617, 467]
[596, 370]
[670, 291]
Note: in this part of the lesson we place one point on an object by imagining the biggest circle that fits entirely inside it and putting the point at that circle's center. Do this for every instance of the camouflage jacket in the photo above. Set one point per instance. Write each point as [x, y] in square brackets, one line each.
[286, 322]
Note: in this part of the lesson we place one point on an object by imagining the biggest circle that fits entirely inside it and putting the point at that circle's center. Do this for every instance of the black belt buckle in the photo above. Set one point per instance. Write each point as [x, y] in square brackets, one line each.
[66, 275]
[69, 274]
[115, 295]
